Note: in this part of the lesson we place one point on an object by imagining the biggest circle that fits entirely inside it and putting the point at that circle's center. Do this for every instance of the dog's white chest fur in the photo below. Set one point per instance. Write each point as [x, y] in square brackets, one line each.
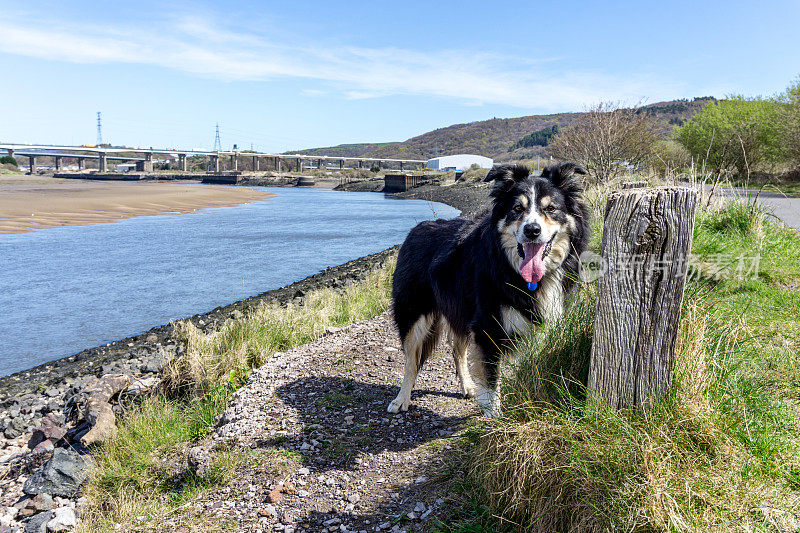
[550, 298]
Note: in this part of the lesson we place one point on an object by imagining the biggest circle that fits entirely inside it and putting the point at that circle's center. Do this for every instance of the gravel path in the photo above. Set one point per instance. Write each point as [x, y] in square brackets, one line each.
[355, 467]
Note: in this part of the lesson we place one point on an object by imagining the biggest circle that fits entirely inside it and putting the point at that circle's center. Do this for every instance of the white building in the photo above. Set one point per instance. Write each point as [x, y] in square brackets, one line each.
[458, 162]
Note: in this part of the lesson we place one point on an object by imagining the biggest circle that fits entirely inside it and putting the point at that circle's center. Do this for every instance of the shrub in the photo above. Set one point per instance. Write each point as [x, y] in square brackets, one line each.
[474, 173]
[790, 122]
[607, 141]
[738, 133]
[8, 160]
[670, 156]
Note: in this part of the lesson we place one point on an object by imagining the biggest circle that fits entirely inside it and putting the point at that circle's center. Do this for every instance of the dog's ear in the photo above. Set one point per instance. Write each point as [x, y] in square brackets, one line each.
[505, 176]
[562, 175]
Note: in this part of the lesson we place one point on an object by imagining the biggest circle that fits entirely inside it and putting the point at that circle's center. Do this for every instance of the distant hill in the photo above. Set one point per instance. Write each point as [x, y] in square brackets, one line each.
[344, 150]
[499, 138]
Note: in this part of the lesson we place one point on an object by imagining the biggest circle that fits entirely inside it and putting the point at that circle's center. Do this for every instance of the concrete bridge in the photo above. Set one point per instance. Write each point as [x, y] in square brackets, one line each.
[229, 159]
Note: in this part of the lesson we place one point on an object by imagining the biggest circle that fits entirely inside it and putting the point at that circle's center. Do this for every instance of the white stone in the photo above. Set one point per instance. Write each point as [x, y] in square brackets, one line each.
[63, 519]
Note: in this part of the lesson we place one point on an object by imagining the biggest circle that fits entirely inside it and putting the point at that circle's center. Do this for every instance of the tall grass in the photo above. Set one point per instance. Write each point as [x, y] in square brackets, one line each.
[718, 452]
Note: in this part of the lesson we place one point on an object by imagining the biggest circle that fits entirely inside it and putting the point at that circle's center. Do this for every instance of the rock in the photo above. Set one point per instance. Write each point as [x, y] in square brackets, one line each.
[154, 365]
[274, 496]
[63, 519]
[199, 460]
[60, 476]
[43, 448]
[97, 409]
[42, 502]
[354, 498]
[14, 427]
[38, 524]
[45, 432]
[236, 314]
[152, 338]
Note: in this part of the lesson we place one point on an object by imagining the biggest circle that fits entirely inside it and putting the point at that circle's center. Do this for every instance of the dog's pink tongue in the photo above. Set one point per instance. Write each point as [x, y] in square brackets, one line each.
[532, 269]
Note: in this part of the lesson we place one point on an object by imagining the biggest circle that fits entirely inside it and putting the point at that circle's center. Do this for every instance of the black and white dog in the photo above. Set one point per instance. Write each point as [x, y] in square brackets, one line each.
[489, 279]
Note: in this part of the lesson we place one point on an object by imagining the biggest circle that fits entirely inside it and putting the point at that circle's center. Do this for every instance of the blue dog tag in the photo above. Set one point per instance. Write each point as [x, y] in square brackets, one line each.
[532, 285]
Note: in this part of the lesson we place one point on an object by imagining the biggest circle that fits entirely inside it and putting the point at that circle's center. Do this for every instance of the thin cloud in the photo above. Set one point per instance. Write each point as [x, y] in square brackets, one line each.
[196, 46]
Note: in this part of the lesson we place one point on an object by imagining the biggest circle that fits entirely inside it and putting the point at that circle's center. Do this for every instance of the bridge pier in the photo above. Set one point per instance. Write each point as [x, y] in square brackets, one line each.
[319, 164]
[102, 164]
[255, 163]
[81, 163]
[32, 163]
[182, 162]
[214, 163]
[147, 164]
[234, 162]
[297, 165]
[401, 165]
[58, 164]
[341, 164]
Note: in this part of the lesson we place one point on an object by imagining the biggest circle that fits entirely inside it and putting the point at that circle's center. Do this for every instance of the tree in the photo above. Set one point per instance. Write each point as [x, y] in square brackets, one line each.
[607, 141]
[537, 138]
[790, 122]
[738, 133]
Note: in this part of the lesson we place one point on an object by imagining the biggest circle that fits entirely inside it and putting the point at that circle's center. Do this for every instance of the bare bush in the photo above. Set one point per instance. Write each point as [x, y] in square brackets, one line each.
[608, 141]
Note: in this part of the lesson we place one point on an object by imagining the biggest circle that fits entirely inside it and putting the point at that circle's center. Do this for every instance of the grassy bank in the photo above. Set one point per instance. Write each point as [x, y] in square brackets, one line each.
[141, 476]
[721, 452]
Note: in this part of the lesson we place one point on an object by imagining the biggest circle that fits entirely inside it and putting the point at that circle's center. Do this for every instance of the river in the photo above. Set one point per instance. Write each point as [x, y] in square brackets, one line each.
[70, 288]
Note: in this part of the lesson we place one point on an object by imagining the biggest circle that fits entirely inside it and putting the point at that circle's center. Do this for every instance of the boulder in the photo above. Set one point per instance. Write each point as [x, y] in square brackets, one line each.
[60, 476]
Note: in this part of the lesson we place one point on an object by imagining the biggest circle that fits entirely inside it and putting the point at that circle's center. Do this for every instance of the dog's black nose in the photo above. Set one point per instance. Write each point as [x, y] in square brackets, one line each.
[532, 230]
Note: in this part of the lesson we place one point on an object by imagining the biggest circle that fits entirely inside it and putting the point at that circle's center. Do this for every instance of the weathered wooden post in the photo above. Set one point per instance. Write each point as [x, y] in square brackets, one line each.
[646, 244]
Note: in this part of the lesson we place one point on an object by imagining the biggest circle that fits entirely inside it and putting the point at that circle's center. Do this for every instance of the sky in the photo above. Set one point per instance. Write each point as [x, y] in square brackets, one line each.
[288, 75]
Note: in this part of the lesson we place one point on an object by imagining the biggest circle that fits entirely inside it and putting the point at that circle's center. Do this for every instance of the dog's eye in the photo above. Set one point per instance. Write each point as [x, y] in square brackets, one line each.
[518, 208]
[550, 209]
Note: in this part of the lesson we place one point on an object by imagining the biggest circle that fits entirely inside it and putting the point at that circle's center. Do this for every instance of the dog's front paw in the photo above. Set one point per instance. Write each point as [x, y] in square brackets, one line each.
[398, 404]
[469, 391]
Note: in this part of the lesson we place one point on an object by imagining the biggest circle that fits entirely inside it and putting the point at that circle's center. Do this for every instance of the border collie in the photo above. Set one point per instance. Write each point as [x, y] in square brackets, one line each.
[487, 280]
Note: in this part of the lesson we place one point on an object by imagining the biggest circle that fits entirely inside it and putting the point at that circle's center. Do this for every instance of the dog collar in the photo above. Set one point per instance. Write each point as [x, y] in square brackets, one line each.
[532, 286]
